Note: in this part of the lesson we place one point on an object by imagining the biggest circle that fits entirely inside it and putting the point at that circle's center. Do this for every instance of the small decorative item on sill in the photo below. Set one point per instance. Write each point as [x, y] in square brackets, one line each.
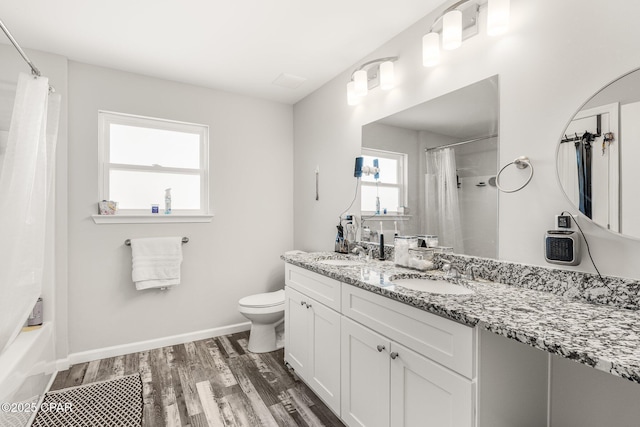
[107, 207]
[155, 208]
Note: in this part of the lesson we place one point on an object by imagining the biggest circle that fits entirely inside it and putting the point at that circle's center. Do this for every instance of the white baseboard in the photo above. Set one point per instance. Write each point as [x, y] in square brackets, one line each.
[119, 350]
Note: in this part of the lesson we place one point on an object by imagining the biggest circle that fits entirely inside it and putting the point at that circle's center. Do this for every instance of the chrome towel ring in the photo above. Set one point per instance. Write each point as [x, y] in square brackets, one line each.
[521, 162]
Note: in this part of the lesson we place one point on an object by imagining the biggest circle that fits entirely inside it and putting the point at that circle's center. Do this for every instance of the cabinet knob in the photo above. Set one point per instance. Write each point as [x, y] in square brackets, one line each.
[303, 303]
[380, 347]
[308, 305]
[393, 355]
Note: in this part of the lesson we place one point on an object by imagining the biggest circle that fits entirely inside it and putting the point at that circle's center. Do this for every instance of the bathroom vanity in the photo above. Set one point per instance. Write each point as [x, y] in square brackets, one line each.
[381, 354]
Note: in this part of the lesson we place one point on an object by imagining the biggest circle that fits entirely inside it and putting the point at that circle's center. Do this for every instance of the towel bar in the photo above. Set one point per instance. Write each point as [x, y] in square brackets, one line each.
[128, 241]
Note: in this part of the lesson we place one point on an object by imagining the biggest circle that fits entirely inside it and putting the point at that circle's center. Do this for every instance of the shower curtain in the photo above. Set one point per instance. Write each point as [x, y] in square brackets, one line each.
[26, 174]
[443, 213]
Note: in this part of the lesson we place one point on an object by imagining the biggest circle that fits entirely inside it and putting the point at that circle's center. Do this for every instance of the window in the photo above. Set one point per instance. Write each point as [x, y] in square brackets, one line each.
[140, 157]
[390, 186]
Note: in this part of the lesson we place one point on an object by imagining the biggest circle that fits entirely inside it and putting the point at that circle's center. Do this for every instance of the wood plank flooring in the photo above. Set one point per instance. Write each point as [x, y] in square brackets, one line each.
[213, 382]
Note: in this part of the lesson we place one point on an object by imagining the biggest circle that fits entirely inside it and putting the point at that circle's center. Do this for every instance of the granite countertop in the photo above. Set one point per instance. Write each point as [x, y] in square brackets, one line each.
[601, 336]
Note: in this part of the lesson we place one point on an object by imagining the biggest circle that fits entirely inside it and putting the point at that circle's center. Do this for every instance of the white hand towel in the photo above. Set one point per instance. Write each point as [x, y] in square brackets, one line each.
[156, 262]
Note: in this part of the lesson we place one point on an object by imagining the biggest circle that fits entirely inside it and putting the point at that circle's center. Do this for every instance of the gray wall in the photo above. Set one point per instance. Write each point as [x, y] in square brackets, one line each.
[237, 254]
[539, 93]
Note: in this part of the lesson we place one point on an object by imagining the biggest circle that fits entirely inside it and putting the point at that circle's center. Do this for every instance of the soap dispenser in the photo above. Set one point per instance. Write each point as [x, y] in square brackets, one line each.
[340, 246]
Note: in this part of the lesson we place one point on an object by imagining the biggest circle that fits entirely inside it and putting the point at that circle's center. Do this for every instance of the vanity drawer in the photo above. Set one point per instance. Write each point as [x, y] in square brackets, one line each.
[323, 289]
[444, 341]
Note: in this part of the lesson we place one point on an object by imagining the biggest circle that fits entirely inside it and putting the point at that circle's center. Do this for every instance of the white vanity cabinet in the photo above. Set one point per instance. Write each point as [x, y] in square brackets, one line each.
[376, 361]
[312, 332]
[385, 383]
[365, 376]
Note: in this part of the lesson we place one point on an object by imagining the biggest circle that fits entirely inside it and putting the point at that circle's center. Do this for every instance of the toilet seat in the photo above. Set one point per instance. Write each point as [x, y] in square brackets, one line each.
[266, 313]
[264, 300]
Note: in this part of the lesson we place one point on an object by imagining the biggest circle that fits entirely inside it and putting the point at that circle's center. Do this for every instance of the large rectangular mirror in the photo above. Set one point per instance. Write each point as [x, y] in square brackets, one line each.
[438, 162]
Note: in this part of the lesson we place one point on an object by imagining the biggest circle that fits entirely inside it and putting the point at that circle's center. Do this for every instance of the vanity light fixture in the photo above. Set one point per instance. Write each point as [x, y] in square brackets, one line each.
[377, 72]
[452, 30]
[459, 22]
[430, 49]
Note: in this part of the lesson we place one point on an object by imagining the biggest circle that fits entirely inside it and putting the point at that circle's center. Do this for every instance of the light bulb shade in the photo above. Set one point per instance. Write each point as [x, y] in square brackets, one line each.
[452, 30]
[352, 98]
[430, 49]
[386, 75]
[497, 17]
[361, 83]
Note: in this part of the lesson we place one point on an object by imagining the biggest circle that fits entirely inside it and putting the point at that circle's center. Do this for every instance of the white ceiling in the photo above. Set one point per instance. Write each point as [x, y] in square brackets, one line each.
[240, 46]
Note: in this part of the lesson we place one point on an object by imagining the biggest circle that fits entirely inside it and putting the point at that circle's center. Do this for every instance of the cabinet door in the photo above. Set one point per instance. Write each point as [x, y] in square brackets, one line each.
[297, 339]
[426, 394]
[365, 376]
[324, 363]
[321, 288]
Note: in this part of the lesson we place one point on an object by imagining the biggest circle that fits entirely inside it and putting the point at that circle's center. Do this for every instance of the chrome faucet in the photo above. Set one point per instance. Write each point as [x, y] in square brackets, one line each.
[450, 271]
[360, 251]
[469, 272]
[453, 272]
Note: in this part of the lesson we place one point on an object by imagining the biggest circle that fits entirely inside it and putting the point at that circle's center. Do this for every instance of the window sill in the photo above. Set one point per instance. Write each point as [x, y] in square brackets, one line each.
[150, 218]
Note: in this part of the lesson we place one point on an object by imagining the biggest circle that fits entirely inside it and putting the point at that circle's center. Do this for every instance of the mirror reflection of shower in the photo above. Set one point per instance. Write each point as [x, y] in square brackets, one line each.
[461, 199]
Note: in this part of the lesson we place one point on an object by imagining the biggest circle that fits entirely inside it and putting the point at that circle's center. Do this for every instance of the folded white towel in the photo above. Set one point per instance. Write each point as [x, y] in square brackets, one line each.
[156, 262]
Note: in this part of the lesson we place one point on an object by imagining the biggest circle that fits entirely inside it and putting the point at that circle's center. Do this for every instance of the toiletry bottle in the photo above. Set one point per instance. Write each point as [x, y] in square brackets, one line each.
[381, 254]
[167, 201]
[35, 318]
[339, 246]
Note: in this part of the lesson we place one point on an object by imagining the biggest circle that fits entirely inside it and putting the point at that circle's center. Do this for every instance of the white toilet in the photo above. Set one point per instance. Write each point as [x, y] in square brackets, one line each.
[266, 312]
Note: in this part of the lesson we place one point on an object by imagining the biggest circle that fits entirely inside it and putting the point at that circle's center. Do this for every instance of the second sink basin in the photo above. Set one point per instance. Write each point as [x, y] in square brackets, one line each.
[433, 286]
[340, 262]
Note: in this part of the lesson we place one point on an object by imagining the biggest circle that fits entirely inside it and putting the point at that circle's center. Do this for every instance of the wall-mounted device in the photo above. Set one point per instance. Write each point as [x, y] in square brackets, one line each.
[358, 169]
[563, 221]
[361, 168]
[562, 247]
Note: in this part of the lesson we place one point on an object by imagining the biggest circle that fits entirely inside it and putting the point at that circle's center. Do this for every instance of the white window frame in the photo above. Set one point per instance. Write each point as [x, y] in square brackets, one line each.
[402, 161]
[106, 118]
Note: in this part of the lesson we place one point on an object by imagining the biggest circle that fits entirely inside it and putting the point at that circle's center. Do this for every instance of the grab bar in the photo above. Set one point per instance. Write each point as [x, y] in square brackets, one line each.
[128, 241]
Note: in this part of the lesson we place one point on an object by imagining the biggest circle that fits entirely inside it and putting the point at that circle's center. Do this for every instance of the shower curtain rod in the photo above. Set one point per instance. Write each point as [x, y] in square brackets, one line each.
[34, 69]
[461, 142]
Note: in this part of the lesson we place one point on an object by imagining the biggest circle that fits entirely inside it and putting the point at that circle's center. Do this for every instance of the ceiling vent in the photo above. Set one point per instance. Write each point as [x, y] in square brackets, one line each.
[289, 81]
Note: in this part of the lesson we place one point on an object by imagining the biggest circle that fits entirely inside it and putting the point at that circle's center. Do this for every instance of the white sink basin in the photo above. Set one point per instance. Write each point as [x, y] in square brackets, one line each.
[340, 262]
[433, 286]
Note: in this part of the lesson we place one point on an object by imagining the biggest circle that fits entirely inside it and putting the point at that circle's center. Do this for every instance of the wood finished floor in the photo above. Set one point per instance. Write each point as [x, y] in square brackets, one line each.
[213, 382]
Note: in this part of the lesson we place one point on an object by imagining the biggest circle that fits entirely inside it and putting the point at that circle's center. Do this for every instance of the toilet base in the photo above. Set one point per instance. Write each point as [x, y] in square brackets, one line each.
[262, 339]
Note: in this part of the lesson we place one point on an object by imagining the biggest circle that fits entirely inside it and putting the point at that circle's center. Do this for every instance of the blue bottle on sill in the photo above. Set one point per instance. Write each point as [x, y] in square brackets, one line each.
[167, 201]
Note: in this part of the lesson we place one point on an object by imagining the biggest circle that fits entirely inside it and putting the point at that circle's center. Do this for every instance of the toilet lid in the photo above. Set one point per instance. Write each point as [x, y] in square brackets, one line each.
[267, 299]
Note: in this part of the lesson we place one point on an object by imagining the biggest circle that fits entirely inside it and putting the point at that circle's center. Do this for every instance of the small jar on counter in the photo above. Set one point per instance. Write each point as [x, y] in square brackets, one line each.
[421, 258]
[443, 249]
[428, 240]
[402, 244]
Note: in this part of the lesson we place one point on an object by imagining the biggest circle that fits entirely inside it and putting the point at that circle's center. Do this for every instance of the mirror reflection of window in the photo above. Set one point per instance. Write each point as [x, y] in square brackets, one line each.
[390, 187]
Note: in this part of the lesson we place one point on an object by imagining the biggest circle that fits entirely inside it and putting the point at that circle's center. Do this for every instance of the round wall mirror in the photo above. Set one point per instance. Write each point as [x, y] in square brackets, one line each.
[598, 154]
